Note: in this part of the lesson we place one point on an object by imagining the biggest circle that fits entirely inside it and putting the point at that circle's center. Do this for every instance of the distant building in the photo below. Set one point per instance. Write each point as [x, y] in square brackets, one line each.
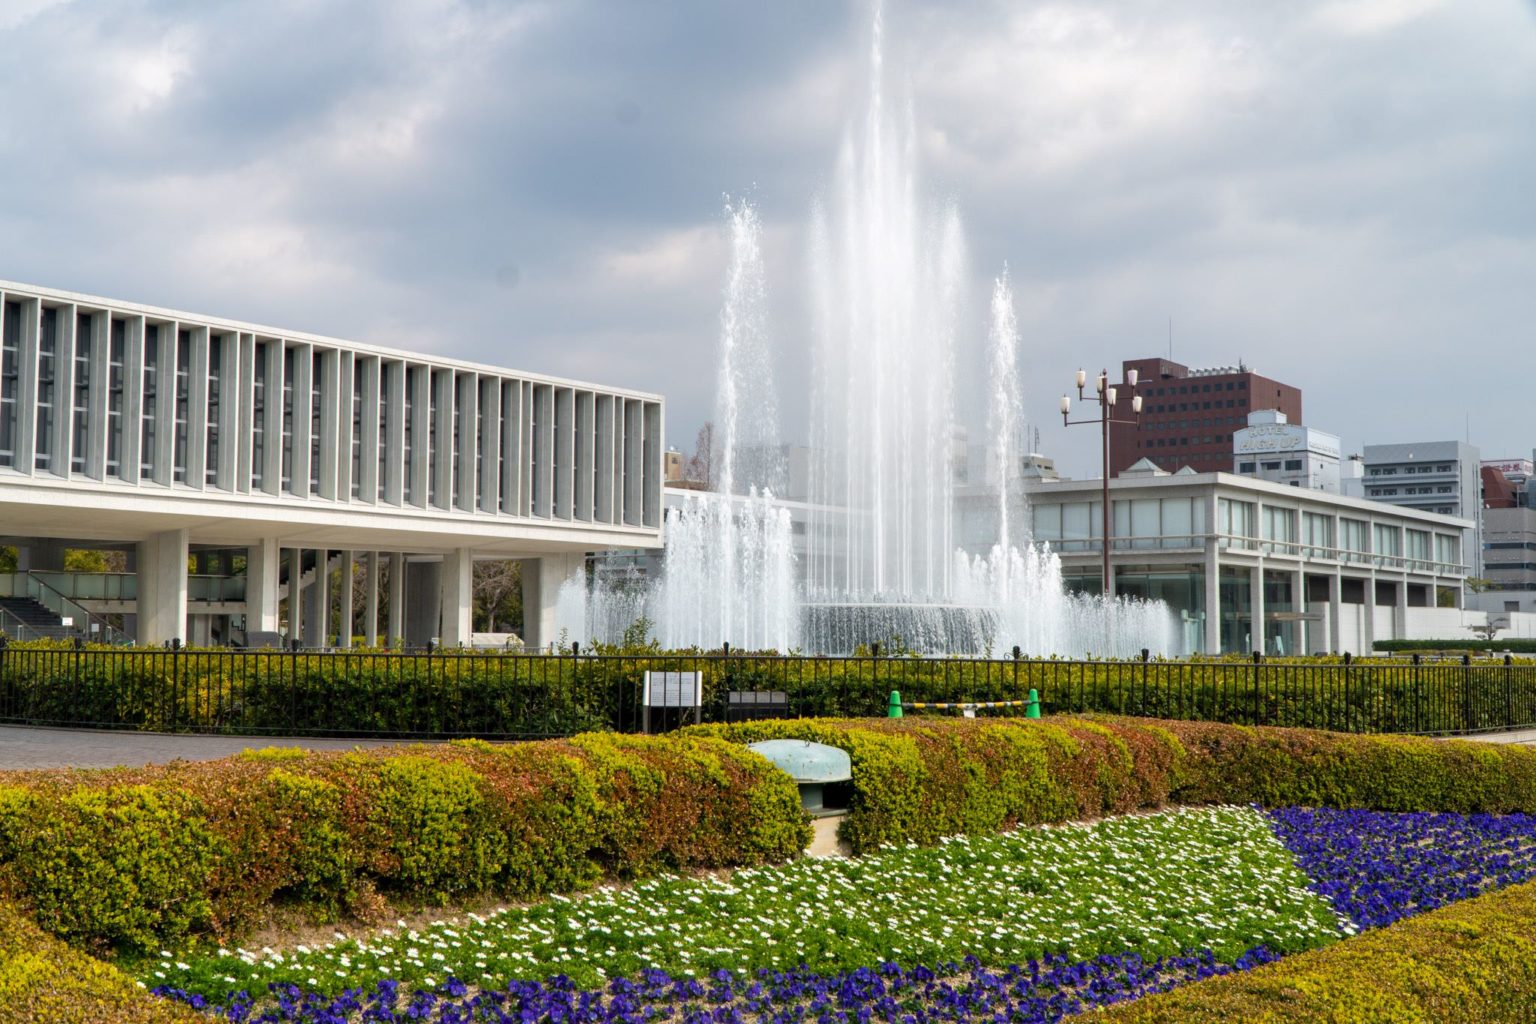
[1443, 477]
[1273, 449]
[1509, 560]
[1505, 482]
[673, 465]
[1189, 416]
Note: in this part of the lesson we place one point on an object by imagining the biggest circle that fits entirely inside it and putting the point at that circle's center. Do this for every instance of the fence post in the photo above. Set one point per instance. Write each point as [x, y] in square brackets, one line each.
[1509, 693]
[874, 668]
[1348, 716]
[1418, 690]
[1257, 712]
[1466, 692]
[1017, 653]
[1145, 655]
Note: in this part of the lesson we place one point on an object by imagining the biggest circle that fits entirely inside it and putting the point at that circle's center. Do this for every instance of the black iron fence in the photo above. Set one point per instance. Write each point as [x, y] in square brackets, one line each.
[505, 695]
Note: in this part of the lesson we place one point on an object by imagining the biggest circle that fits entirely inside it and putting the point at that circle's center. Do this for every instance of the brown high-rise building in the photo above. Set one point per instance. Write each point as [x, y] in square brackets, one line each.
[1188, 416]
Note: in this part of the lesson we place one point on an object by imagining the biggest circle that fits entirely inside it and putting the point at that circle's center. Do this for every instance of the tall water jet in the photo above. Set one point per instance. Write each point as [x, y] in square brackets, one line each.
[887, 277]
[881, 558]
[729, 574]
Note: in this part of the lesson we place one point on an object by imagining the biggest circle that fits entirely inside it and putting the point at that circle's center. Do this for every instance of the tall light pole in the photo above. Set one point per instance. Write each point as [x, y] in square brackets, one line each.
[1105, 395]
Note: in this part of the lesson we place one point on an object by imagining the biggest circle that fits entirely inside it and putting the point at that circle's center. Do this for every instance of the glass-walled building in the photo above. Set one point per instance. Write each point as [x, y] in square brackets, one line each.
[1252, 565]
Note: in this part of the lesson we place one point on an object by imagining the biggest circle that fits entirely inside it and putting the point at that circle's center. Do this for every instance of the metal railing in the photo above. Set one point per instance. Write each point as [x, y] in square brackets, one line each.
[518, 695]
[87, 622]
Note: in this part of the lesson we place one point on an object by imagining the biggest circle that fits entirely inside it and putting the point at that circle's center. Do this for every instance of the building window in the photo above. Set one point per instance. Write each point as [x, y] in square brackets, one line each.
[1245, 467]
[47, 377]
[1272, 466]
[316, 404]
[148, 398]
[80, 431]
[1292, 463]
[1444, 469]
[357, 429]
[117, 357]
[183, 403]
[287, 473]
[259, 415]
[410, 435]
[10, 381]
[211, 430]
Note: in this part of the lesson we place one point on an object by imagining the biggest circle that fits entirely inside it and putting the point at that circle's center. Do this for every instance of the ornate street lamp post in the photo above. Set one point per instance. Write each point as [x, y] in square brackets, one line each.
[1105, 395]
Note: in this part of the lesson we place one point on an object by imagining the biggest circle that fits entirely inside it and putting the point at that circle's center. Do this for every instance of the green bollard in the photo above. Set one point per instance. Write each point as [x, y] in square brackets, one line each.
[895, 708]
[1032, 709]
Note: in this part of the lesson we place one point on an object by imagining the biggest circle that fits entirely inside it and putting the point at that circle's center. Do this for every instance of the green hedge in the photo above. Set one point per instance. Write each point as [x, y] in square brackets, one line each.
[136, 859]
[915, 780]
[523, 696]
[1472, 961]
[1459, 645]
[43, 981]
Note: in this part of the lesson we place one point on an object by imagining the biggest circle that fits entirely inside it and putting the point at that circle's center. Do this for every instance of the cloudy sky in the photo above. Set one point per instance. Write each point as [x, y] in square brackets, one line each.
[1340, 192]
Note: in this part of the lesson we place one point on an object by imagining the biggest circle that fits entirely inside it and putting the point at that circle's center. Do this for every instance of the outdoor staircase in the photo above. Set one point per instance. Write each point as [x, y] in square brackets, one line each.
[22, 618]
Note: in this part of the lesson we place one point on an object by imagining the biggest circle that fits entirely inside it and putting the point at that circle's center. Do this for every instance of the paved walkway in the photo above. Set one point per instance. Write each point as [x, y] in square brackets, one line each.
[1526, 737]
[26, 747]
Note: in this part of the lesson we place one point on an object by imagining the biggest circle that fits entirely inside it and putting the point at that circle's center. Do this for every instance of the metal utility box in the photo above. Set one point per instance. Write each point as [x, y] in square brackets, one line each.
[811, 765]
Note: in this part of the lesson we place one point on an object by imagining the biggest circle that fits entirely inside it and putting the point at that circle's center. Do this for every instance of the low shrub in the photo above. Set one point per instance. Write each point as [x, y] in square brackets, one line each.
[43, 981]
[1471, 961]
[917, 779]
[137, 859]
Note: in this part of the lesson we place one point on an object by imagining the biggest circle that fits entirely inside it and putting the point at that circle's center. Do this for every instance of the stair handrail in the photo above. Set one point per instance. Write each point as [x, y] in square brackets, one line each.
[21, 627]
[109, 633]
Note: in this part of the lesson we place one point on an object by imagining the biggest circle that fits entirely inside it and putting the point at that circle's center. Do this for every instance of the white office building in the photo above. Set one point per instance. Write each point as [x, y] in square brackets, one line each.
[177, 437]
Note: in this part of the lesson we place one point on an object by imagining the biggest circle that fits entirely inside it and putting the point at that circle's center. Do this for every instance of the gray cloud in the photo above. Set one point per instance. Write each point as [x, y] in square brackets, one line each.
[1335, 190]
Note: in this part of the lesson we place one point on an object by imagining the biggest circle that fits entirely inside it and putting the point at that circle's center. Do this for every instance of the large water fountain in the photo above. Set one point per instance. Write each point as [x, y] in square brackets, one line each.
[879, 562]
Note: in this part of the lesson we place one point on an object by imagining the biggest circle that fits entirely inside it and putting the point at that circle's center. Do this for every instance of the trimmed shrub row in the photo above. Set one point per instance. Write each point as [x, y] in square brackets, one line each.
[137, 859]
[43, 981]
[915, 780]
[1514, 645]
[493, 694]
[1472, 961]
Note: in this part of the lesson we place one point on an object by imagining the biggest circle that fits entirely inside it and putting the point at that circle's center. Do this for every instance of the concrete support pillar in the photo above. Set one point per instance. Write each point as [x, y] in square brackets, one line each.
[1256, 603]
[1334, 610]
[371, 601]
[423, 602]
[1369, 630]
[162, 583]
[542, 578]
[344, 622]
[295, 595]
[317, 604]
[457, 598]
[1303, 630]
[1212, 599]
[1400, 620]
[261, 576]
[396, 599]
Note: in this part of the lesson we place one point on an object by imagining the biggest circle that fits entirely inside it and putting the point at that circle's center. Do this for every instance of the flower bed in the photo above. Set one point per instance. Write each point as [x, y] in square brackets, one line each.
[1213, 879]
[1379, 868]
[1036, 993]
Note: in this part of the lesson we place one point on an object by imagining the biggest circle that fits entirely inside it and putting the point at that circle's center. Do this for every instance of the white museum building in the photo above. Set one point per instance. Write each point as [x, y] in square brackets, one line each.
[183, 439]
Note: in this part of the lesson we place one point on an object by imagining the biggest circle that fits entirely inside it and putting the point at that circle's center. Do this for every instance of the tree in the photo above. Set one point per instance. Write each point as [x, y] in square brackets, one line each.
[1486, 631]
[701, 467]
[1477, 584]
[498, 596]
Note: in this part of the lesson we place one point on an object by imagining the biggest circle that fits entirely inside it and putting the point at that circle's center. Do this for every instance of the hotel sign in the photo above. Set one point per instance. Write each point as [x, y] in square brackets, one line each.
[1278, 437]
